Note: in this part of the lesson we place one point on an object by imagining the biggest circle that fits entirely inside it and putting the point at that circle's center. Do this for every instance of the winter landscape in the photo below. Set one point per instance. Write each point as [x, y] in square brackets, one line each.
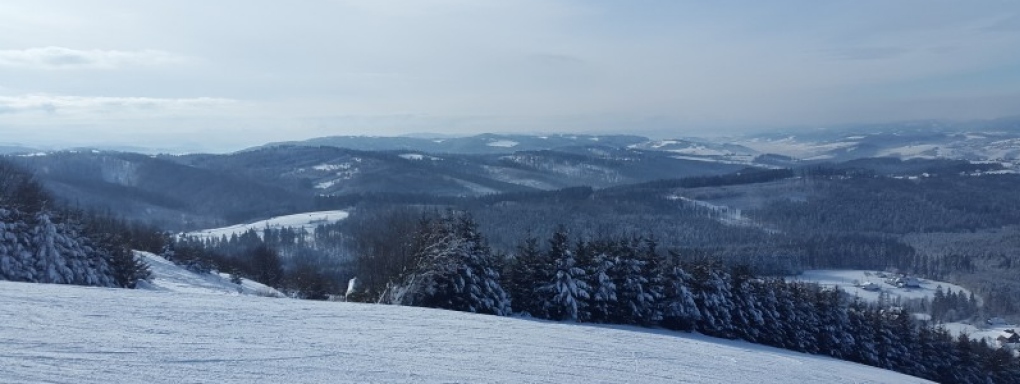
[184, 328]
[509, 191]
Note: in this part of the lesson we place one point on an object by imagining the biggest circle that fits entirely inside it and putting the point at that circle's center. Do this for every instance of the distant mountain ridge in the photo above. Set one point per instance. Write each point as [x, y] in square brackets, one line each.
[205, 190]
[982, 140]
[488, 143]
[15, 150]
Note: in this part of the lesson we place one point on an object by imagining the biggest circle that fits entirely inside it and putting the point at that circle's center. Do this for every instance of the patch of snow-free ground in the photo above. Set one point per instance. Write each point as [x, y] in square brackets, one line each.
[183, 331]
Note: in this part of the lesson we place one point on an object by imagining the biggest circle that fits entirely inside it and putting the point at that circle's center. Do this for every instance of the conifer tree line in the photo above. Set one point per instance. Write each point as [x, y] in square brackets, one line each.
[628, 280]
[949, 306]
[44, 242]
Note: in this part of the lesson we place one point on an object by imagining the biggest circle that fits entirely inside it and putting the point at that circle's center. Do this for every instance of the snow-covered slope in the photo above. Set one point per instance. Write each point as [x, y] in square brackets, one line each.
[974, 146]
[69, 334]
[307, 221]
[685, 149]
[167, 277]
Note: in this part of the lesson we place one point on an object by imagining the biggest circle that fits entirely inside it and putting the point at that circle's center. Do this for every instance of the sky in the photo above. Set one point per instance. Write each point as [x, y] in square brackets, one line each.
[227, 74]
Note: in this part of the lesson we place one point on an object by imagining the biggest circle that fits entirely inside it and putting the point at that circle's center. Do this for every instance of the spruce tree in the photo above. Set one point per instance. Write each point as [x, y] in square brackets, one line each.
[677, 306]
[635, 304]
[526, 267]
[127, 268]
[603, 288]
[567, 293]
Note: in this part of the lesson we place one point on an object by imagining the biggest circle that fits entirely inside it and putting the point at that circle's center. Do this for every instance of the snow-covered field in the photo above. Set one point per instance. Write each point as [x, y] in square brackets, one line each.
[307, 221]
[503, 143]
[717, 159]
[418, 156]
[921, 151]
[847, 280]
[792, 147]
[182, 334]
[987, 332]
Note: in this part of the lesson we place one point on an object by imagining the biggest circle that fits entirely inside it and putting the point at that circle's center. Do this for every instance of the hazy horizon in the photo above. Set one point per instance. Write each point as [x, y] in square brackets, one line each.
[233, 74]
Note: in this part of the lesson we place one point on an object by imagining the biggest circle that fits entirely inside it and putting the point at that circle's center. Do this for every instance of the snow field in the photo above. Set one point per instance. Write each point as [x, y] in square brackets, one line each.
[845, 280]
[987, 332]
[194, 328]
[70, 334]
[502, 143]
[186, 327]
[306, 220]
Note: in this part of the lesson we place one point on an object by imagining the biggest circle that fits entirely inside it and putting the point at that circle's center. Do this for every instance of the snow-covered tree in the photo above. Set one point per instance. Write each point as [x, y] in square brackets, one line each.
[748, 320]
[633, 274]
[15, 253]
[527, 266]
[711, 288]
[50, 250]
[36, 248]
[567, 293]
[43, 244]
[453, 269]
[62, 256]
[603, 288]
[677, 306]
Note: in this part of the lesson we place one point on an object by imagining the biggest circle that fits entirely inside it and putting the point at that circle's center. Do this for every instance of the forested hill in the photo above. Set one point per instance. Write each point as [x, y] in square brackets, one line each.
[478, 144]
[203, 191]
[196, 191]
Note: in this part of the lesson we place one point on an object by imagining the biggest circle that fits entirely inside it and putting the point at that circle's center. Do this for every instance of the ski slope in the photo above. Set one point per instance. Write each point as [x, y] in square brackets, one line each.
[70, 334]
[307, 221]
[186, 327]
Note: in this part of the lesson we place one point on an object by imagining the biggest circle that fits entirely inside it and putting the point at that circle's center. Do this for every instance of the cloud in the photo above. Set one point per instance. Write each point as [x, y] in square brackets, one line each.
[474, 65]
[85, 105]
[67, 58]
